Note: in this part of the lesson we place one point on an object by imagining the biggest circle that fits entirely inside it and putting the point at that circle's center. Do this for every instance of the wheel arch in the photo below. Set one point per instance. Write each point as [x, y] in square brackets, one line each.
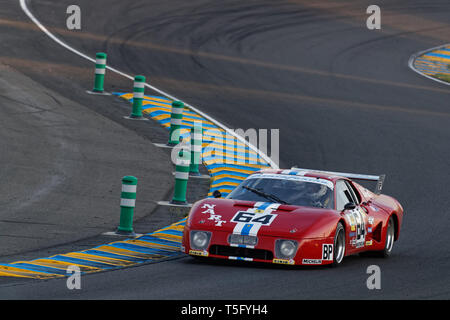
[344, 224]
[394, 216]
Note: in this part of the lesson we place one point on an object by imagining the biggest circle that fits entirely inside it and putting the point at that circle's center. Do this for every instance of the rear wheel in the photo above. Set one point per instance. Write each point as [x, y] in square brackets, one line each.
[339, 245]
[389, 241]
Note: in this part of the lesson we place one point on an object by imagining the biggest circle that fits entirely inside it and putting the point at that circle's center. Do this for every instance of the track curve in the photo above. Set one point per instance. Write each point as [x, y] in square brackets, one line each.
[343, 98]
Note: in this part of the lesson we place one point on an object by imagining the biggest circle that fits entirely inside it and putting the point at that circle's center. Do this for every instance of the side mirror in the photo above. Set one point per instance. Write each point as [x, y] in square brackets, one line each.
[217, 194]
[350, 206]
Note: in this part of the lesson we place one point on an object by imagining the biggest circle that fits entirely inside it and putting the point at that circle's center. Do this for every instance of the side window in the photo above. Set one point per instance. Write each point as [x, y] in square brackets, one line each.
[355, 192]
[343, 195]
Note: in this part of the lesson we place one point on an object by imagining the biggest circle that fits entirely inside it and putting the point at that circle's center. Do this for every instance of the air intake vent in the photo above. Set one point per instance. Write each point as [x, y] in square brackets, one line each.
[241, 252]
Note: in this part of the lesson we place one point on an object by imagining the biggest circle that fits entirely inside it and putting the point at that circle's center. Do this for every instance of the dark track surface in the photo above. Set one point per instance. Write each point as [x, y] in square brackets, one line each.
[343, 98]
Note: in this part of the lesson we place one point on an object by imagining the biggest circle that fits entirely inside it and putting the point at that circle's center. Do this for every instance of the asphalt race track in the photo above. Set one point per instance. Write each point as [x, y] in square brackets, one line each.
[342, 96]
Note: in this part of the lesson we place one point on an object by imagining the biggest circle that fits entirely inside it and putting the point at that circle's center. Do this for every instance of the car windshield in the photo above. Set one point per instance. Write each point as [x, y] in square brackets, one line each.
[293, 190]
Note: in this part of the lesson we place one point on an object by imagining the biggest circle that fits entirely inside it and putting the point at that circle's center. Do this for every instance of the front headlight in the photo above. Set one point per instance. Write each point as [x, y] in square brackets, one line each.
[200, 239]
[285, 249]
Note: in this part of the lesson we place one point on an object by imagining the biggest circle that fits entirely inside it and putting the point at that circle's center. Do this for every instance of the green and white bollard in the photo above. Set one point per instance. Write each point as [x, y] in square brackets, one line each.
[196, 148]
[100, 69]
[138, 96]
[176, 118]
[127, 205]
[181, 177]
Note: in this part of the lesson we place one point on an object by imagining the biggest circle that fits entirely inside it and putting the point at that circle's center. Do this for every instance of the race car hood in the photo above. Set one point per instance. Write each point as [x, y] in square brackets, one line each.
[248, 217]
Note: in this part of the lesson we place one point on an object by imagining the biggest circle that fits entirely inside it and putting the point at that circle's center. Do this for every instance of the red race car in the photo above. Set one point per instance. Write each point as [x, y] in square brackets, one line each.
[295, 217]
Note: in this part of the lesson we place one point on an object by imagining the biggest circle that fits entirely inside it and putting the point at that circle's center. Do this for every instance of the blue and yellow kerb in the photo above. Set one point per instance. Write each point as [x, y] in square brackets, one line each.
[218, 147]
[151, 247]
[435, 62]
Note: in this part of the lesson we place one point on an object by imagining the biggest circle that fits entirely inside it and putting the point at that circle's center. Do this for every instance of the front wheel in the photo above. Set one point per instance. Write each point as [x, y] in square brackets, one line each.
[339, 245]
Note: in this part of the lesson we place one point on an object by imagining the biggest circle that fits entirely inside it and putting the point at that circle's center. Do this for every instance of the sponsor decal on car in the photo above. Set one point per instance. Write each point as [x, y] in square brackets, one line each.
[283, 261]
[212, 214]
[311, 261]
[356, 219]
[240, 258]
[295, 177]
[327, 252]
[203, 253]
[249, 222]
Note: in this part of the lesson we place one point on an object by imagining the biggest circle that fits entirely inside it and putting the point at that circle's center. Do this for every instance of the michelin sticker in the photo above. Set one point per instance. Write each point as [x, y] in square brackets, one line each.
[312, 261]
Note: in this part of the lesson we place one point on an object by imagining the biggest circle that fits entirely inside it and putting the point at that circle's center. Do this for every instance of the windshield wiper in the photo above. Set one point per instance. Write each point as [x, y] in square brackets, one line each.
[268, 196]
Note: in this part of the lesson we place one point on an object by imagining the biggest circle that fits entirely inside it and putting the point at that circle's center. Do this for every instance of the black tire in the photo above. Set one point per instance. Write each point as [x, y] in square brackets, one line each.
[389, 240]
[339, 245]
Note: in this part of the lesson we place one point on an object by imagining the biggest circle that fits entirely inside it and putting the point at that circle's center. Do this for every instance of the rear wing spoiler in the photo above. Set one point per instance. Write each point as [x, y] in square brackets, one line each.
[379, 179]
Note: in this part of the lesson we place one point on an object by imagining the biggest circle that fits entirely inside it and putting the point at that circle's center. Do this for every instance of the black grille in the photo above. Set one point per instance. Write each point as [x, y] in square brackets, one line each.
[241, 252]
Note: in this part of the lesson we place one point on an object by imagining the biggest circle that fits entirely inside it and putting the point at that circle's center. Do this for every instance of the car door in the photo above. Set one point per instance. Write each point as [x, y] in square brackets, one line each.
[375, 217]
[357, 218]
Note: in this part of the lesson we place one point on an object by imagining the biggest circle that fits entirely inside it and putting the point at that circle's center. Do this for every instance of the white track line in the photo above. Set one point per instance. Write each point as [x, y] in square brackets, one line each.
[25, 9]
[418, 54]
